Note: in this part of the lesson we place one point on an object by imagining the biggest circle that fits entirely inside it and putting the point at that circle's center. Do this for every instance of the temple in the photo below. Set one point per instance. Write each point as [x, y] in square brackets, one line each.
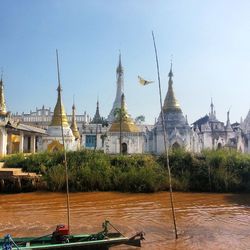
[124, 136]
[118, 133]
[178, 132]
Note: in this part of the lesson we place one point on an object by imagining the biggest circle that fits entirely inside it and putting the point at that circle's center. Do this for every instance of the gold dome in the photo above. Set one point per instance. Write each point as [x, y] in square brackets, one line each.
[123, 121]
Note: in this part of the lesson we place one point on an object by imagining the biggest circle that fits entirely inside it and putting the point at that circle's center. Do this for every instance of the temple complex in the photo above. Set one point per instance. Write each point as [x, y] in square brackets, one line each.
[178, 132]
[118, 133]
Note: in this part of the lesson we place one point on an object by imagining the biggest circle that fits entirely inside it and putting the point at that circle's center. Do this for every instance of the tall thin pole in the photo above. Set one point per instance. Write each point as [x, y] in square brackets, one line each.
[165, 141]
[64, 150]
[120, 124]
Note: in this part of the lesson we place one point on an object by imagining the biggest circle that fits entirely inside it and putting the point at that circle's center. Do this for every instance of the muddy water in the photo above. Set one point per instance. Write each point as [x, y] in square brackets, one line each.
[204, 221]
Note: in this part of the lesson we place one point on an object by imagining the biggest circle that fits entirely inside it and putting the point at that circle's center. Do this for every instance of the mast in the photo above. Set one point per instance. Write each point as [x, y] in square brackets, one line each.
[59, 89]
[165, 140]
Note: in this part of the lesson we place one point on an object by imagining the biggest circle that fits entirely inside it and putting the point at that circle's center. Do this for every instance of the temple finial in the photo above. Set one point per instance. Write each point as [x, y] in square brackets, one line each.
[73, 106]
[1, 75]
[228, 114]
[212, 106]
[59, 88]
[119, 67]
[170, 74]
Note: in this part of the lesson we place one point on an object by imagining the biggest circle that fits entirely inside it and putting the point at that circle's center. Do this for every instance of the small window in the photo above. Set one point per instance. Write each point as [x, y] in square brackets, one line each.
[90, 141]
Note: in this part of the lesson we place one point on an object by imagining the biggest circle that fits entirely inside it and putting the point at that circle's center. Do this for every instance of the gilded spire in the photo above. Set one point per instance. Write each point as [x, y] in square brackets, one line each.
[170, 102]
[3, 111]
[73, 123]
[127, 124]
[59, 117]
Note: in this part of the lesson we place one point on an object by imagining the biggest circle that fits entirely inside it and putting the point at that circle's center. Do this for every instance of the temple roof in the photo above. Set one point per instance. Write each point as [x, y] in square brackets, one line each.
[170, 103]
[97, 118]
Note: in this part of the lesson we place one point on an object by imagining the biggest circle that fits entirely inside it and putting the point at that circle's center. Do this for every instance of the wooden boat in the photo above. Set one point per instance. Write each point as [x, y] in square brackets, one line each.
[60, 239]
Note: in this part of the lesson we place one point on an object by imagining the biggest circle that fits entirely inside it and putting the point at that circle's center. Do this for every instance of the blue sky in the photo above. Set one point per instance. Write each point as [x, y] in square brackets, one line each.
[209, 40]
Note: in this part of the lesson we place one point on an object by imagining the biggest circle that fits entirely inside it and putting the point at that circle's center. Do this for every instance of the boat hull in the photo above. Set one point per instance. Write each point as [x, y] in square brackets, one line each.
[75, 242]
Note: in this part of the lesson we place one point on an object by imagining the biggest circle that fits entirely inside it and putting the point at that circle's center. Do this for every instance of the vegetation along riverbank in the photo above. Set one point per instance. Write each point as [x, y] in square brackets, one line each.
[209, 171]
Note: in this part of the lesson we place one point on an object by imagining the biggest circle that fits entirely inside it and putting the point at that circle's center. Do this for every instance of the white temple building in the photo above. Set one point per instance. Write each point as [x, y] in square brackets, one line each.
[178, 131]
[124, 136]
[119, 133]
[213, 134]
[59, 133]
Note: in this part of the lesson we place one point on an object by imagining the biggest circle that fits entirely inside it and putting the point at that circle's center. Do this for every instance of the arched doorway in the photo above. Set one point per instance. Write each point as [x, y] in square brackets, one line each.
[124, 148]
[176, 145]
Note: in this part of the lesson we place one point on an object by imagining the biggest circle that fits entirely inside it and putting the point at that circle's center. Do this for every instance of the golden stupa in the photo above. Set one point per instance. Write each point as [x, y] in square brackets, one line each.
[170, 102]
[59, 117]
[123, 122]
[73, 124]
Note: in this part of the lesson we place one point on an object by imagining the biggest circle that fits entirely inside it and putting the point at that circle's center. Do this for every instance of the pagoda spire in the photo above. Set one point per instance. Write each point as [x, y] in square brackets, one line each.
[73, 126]
[59, 117]
[3, 111]
[170, 102]
[228, 126]
[97, 118]
[212, 114]
[119, 69]
[119, 89]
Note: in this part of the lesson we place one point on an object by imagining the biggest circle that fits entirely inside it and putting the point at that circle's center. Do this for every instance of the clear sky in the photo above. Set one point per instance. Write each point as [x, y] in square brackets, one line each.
[209, 40]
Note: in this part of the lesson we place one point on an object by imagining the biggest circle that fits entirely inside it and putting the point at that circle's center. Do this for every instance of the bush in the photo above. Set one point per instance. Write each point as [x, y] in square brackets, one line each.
[217, 171]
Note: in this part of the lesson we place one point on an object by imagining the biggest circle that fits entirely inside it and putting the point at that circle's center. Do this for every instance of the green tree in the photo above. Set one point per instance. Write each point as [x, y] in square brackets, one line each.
[140, 119]
[120, 115]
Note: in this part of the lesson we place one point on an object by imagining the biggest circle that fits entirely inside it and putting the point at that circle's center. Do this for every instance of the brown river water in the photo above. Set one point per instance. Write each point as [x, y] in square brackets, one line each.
[204, 221]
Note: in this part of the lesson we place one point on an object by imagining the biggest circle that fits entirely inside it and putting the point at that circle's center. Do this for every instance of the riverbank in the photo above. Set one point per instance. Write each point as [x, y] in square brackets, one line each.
[210, 171]
[204, 220]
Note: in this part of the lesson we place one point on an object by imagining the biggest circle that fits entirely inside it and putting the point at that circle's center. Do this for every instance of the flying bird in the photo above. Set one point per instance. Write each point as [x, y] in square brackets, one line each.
[144, 82]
